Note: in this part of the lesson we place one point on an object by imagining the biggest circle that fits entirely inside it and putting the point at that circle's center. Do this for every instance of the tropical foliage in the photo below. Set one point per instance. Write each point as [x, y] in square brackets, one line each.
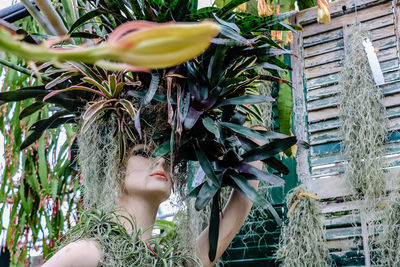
[209, 99]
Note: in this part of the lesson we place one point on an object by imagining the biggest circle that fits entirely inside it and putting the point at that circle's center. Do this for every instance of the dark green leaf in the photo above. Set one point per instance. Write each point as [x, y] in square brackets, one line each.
[215, 68]
[228, 32]
[195, 191]
[264, 52]
[39, 127]
[213, 232]
[276, 61]
[205, 194]
[291, 27]
[253, 22]
[85, 35]
[161, 150]
[203, 13]
[85, 18]
[269, 150]
[212, 185]
[19, 95]
[29, 110]
[260, 175]
[277, 165]
[246, 100]
[124, 10]
[231, 25]
[191, 118]
[247, 132]
[229, 7]
[270, 66]
[211, 126]
[248, 190]
[136, 8]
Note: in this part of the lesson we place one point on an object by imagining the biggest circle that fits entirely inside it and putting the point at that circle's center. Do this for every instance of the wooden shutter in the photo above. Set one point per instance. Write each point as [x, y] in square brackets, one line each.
[320, 49]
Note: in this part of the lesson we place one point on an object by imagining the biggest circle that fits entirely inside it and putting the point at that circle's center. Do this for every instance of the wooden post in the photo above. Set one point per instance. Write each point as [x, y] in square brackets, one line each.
[299, 106]
[396, 11]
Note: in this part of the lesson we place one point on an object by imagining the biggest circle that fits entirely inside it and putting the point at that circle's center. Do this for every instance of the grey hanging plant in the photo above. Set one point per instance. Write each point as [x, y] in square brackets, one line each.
[389, 239]
[302, 241]
[363, 121]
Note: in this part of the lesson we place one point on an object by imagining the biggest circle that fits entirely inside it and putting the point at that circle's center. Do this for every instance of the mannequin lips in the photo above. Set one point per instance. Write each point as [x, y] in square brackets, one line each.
[160, 174]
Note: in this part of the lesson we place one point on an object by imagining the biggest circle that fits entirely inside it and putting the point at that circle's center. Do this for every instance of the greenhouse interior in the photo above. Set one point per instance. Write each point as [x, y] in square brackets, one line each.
[199, 133]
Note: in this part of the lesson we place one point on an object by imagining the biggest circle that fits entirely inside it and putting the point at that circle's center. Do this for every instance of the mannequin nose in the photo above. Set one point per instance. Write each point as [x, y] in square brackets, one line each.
[160, 161]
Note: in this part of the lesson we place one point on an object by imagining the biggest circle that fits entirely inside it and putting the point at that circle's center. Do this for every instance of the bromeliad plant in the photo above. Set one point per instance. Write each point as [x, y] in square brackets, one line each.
[208, 99]
[108, 98]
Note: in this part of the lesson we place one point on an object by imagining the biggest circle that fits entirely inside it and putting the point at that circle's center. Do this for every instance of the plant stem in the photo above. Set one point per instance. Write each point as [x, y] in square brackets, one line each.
[51, 14]
[22, 69]
[42, 21]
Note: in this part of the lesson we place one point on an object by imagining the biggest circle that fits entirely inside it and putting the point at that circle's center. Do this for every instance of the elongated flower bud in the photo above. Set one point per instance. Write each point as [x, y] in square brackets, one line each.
[161, 45]
[264, 9]
[323, 13]
[242, 7]
[149, 45]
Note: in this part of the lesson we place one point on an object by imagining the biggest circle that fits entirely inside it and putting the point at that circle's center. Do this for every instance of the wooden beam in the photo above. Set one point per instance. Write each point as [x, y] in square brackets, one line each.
[396, 10]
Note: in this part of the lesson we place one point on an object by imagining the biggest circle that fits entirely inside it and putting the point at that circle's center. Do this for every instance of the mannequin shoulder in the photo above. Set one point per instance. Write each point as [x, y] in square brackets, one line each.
[82, 253]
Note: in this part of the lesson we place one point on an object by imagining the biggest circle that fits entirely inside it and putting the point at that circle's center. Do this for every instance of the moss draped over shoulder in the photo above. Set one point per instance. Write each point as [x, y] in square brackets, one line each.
[121, 248]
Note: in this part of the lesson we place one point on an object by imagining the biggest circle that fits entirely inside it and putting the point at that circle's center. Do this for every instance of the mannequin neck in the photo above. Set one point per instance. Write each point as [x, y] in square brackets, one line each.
[143, 210]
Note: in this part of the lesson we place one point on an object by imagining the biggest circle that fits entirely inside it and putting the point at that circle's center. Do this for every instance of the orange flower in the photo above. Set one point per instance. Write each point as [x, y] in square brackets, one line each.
[264, 9]
[323, 13]
[277, 35]
[242, 7]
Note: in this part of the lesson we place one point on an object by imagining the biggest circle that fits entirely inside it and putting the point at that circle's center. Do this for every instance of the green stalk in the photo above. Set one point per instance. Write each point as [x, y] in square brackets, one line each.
[43, 54]
[71, 11]
[22, 69]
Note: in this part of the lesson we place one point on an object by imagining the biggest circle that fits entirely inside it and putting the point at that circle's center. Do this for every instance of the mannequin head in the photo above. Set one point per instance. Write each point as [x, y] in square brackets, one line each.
[147, 177]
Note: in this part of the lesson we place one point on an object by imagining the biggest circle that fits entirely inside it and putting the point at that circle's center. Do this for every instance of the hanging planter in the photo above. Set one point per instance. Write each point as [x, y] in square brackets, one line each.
[302, 241]
[389, 239]
[363, 121]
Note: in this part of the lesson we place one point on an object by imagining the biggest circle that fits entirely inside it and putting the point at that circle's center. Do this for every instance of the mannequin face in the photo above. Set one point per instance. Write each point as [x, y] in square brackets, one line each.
[146, 176]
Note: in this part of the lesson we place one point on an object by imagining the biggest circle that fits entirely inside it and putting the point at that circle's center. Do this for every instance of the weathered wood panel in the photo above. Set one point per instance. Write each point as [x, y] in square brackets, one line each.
[323, 52]
[362, 16]
[336, 186]
[337, 8]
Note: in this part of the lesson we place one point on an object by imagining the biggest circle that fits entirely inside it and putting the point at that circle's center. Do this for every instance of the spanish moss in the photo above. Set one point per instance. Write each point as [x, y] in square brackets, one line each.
[302, 241]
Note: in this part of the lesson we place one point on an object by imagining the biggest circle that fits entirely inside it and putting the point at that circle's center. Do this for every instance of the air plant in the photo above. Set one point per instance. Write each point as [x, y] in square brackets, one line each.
[110, 100]
[302, 240]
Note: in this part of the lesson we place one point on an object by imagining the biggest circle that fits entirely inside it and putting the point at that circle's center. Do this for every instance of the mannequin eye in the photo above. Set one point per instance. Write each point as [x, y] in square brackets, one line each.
[141, 152]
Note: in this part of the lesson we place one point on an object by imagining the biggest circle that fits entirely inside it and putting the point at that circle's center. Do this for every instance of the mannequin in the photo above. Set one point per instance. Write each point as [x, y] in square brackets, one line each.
[147, 184]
